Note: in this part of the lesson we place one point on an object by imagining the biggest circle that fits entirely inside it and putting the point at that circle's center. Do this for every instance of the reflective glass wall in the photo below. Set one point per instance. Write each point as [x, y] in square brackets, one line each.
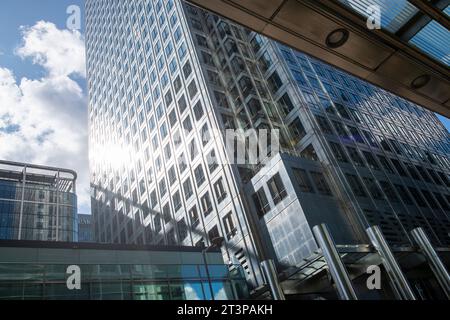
[123, 282]
[32, 206]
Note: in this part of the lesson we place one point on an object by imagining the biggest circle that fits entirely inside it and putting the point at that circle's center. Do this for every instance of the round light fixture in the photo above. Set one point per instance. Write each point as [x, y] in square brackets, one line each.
[337, 38]
[420, 81]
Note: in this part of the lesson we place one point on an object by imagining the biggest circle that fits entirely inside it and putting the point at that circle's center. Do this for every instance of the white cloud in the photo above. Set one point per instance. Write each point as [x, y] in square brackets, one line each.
[61, 52]
[49, 115]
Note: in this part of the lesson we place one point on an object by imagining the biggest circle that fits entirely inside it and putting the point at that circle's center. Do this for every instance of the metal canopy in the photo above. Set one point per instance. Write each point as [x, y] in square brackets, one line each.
[409, 56]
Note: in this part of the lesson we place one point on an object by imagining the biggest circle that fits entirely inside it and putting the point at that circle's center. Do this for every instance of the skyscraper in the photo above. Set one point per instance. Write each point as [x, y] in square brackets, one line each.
[85, 233]
[37, 203]
[164, 75]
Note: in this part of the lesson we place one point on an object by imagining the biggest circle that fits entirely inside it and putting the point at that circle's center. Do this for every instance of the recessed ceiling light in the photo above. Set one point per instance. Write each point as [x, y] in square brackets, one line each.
[421, 81]
[337, 38]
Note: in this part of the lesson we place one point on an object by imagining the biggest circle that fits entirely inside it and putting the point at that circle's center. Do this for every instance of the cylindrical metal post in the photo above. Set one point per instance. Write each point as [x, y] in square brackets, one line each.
[270, 272]
[438, 268]
[335, 265]
[392, 267]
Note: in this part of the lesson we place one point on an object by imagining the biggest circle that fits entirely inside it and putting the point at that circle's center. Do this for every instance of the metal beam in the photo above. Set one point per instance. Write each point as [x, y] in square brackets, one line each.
[431, 11]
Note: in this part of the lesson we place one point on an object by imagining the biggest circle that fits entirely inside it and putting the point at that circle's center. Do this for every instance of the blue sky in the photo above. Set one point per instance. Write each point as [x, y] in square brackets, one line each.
[43, 92]
[445, 121]
[17, 13]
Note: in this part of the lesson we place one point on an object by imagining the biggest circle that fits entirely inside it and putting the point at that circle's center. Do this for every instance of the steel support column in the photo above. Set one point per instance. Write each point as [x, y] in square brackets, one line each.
[271, 275]
[334, 262]
[392, 267]
[439, 270]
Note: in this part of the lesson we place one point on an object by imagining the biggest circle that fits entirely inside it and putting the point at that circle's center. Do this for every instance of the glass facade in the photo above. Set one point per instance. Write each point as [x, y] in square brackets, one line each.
[85, 232]
[36, 205]
[122, 282]
[391, 157]
[46, 270]
[163, 75]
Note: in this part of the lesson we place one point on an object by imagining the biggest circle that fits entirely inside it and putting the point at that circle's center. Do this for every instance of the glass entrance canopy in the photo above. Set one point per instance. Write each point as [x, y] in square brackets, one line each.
[412, 23]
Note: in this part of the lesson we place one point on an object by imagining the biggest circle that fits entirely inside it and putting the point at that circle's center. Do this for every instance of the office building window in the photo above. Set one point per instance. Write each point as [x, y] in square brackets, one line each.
[206, 205]
[206, 137]
[166, 213]
[286, 104]
[371, 161]
[423, 174]
[434, 176]
[356, 136]
[219, 189]
[157, 223]
[338, 152]
[187, 70]
[441, 201]
[194, 217]
[162, 187]
[374, 190]
[172, 176]
[355, 185]
[182, 104]
[417, 197]
[198, 111]
[168, 152]
[212, 161]
[187, 187]
[213, 233]
[321, 183]
[399, 167]
[261, 203]
[303, 180]
[182, 163]
[176, 200]
[297, 130]
[192, 89]
[171, 239]
[389, 191]
[386, 165]
[177, 84]
[277, 189]
[429, 197]
[182, 230]
[404, 195]
[173, 118]
[274, 82]
[309, 153]
[324, 125]
[187, 124]
[229, 226]
[354, 155]
[199, 175]
[193, 151]
[153, 199]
